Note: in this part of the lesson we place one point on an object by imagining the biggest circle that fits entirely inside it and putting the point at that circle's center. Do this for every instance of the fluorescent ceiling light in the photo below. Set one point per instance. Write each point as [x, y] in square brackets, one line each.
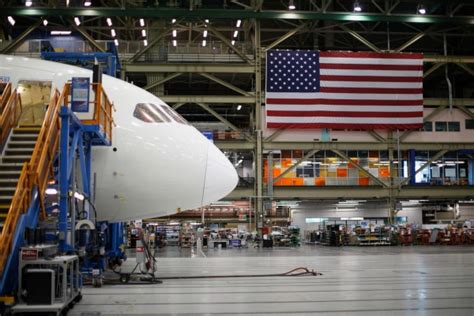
[87, 3]
[175, 33]
[45, 22]
[205, 33]
[142, 22]
[173, 21]
[145, 42]
[233, 42]
[116, 42]
[239, 22]
[77, 21]
[236, 33]
[175, 43]
[109, 21]
[61, 32]
[206, 20]
[11, 20]
[239, 107]
[28, 3]
[144, 33]
[204, 43]
[113, 33]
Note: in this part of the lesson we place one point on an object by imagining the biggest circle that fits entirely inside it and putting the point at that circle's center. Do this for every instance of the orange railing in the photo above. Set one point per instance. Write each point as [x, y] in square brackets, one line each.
[7, 91]
[10, 114]
[40, 168]
[103, 109]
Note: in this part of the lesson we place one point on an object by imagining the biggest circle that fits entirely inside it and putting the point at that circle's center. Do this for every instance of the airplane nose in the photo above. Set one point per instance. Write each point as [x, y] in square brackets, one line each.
[221, 176]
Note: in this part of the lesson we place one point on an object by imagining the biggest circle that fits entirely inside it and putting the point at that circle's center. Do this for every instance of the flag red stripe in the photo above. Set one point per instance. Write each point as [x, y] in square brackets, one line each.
[345, 114]
[344, 125]
[370, 78]
[371, 55]
[372, 90]
[370, 67]
[345, 102]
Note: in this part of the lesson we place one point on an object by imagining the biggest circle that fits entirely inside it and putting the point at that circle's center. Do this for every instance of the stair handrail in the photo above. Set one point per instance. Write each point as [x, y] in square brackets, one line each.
[5, 95]
[9, 116]
[33, 173]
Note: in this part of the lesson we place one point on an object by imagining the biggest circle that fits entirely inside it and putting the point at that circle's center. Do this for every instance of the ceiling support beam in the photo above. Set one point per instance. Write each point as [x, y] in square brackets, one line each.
[286, 36]
[235, 14]
[237, 68]
[21, 38]
[225, 84]
[293, 167]
[377, 136]
[466, 68]
[432, 69]
[361, 169]
[233, 99]
[274, 135]
[177, 105]
[88, 37]
[161, 81]
[223, 120]
[435, 157]
[425, 119]
[410, 42]
[224, 39]
[360, 38]
[151, 44]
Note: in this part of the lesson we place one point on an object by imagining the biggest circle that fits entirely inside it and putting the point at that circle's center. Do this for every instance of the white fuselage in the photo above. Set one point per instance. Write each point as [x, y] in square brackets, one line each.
[156, 167]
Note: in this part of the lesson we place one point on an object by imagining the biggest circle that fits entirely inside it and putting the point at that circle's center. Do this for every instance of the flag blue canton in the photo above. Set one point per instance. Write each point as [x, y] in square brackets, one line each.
[292, 71]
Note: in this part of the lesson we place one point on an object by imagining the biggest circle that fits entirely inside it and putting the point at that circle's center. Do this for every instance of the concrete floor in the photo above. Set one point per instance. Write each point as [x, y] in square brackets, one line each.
[436, 280]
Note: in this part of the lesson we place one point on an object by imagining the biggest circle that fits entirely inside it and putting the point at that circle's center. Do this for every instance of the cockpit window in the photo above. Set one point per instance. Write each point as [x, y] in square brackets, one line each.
[175, 115]
[150, 113]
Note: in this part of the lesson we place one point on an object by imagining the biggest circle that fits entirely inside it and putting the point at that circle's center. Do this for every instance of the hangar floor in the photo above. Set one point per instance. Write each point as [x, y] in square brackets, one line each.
[355, 281]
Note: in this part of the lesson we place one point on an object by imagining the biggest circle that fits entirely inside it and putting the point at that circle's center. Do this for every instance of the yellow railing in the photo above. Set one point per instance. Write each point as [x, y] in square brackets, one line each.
[7, 90]
[40, 168]
[10, 114]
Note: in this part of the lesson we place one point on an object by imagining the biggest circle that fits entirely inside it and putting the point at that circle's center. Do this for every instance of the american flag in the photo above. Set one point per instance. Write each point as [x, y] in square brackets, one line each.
[344, 90]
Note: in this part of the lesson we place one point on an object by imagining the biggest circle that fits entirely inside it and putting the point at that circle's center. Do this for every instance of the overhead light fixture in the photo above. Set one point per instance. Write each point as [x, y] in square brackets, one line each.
[45, 22]
[28, 3]
[142, 22]
[291, 5]
[113, 33]
[207, 21]
[77, 21]
[11, 20]
[239, 107]
[109, 21]
[61, 32]
[175, 43]
[87, 3]
[116, 42]
[421, 9]
[357, 7]
[236, 33]
[175, 33]
[204, 43]
[145, 42]
[205, 33]
[239, 22]
[233, 42]
[144, 33]
[173, 21]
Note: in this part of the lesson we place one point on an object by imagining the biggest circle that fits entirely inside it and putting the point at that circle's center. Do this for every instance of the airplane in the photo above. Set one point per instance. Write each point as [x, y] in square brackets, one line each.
[158, 162]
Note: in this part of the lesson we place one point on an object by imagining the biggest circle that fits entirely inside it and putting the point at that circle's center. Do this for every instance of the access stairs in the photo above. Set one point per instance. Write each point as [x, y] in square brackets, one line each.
[18, 150]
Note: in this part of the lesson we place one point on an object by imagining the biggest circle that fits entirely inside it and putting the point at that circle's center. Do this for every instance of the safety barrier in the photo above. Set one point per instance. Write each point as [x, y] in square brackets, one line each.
[10, 111]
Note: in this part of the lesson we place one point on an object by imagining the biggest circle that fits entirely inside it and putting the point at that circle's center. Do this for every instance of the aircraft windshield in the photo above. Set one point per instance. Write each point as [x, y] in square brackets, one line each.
[150, 113]
[175, 115]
